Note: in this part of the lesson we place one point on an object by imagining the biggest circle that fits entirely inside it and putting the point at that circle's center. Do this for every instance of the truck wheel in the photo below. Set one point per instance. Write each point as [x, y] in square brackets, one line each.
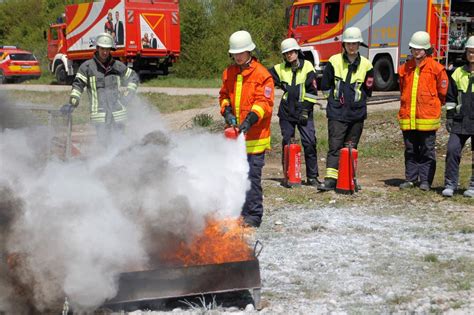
[384, 77]
[61, 75]
[3, 79]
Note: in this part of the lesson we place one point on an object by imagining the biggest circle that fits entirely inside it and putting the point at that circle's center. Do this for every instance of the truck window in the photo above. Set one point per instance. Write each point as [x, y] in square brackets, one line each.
[301, 16]
[331, 13]
[316, 14]
[54, 34]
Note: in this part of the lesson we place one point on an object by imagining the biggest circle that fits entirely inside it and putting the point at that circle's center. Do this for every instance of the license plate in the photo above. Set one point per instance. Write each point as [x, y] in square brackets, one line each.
[26, 67]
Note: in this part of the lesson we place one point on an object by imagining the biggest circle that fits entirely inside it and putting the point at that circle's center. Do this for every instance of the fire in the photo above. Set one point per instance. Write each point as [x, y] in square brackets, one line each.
[221, 241]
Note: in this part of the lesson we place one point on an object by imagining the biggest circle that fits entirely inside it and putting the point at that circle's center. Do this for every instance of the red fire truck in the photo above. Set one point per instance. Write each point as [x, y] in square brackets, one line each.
[386, 26]
[146, 34]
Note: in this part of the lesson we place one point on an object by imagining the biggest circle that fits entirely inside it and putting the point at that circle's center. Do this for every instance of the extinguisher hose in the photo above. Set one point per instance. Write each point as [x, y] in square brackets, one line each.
[356, 186]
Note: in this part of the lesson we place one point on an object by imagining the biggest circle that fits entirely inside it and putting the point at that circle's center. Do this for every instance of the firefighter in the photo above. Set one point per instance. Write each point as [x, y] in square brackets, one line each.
[347, 82]
[297, 79]
[460, 121]
[246, 101]
[102, 75]
[423, 87]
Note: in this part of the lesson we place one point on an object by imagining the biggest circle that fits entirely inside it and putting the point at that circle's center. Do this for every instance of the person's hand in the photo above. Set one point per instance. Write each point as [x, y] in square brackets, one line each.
[67, 109]
[449, 124]
[229, 116]
[251, 119]
[303, 120]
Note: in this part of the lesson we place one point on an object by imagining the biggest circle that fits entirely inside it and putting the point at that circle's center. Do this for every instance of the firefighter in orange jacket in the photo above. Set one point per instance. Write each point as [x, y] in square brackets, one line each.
[423, 88]
[246, 100]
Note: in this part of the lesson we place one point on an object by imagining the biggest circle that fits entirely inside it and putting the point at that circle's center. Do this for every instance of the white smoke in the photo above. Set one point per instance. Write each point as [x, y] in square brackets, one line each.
[83, 222]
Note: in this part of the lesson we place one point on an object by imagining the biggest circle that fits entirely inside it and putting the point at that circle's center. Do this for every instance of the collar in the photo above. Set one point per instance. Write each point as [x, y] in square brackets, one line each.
[107, 64]
[245, 71]
[412, 63]
[356, 61]
[300, 65]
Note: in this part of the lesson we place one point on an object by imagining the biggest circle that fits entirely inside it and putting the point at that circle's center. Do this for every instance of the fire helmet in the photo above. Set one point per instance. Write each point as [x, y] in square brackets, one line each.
[104, 40]
[240, 41]
[289, 44]
[470, 42]
[352, 35]
[420, 40]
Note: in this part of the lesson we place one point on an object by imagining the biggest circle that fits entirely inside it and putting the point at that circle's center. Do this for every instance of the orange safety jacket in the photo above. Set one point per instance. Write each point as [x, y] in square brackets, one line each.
[250, 89]
[423, 91]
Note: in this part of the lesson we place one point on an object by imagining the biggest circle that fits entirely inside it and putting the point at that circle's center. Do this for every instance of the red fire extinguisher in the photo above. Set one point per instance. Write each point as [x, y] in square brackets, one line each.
[292, 163]
[346, 180]
[231, 132]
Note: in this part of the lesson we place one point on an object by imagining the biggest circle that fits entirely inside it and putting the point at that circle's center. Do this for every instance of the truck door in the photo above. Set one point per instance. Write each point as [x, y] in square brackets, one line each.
[55, 41]
[330, 29]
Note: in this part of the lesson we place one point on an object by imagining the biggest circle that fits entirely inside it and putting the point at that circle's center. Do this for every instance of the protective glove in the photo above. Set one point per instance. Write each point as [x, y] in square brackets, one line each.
[229, 117]
[449, 124]
[67, 109]
[303, 120]
[249, 121]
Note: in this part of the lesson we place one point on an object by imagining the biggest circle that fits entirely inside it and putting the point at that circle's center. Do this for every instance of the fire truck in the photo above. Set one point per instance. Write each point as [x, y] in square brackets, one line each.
[146, 35]
[386, 26]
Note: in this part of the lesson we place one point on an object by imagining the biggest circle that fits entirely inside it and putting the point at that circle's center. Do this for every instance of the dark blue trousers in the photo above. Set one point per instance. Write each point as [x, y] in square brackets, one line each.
[456, 143]
[253, 206]
[420, 155]
[308, 140]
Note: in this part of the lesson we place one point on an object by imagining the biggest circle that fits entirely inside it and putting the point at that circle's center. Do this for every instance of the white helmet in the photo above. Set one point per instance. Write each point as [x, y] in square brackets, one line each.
[352, 35]
[420, 40]
[104, 40]
[470, 42]
[240, 41]
[289, 44]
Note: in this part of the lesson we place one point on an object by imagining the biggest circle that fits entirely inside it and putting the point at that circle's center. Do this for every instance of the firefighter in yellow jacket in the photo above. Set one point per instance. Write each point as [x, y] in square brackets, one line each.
[347, 82]
[246, 101]
[423, 88]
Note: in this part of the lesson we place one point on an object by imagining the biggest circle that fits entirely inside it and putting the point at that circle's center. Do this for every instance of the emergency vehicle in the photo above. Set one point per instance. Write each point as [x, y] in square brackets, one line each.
[146, 35]
[386, 26]
[17, 65]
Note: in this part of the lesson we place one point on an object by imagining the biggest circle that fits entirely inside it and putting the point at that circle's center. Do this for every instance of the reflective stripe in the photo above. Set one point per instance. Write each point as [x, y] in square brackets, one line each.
[260, 111]
[326, 93]
[357, 94]
[238, 95]
[132, 86]
[76, 93]
[128, 73]
[337, 87]
[120, 115]
[310, 97]
[332, 173]
[94, 99]
[81, 77]
[286, 75]
[258, 146]
[420, 124]
[414, 90]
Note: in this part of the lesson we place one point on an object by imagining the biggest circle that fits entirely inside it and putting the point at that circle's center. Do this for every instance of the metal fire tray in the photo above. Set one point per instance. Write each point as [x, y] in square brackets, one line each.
[174, 282]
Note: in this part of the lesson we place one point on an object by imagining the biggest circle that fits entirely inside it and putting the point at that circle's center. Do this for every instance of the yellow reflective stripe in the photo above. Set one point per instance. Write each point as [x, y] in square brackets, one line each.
[420, 124]
[238, 95]
[260, 111]
[94, 98]
[98, 117]
[132, 86]
[81, 77]
[258, 146]
[119, 83]
[332, 173]
[414, 90]
[450, 105]
[76, 93]
[128, 73]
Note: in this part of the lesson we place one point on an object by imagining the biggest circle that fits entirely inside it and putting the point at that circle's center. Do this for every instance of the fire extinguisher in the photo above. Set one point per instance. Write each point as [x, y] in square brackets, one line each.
[231, 132]
[292, 163]
[346, 180]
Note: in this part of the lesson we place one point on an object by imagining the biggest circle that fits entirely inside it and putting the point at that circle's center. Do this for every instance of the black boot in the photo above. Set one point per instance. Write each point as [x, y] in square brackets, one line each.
[329, 184]
[310, 181]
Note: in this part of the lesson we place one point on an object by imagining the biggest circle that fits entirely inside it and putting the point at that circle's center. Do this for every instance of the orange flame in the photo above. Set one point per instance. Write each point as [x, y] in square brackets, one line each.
[221, 241]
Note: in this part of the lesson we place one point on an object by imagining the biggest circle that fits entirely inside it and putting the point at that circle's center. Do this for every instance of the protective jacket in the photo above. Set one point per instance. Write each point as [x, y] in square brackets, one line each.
[250, 89]
[460, 101]
[299, 88]
[103, 82]
[423, 91]
[346, 87]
